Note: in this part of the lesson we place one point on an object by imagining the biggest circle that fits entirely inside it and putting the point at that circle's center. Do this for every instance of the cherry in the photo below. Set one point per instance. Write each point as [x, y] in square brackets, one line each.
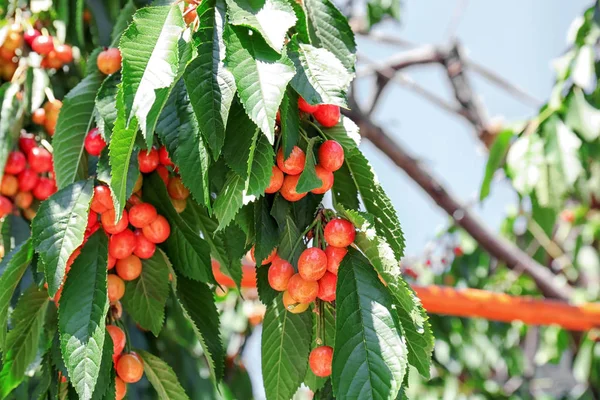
[129, 268]
[327, 285]
[326, 178]
[288, 189]
[130, 368]
[292, 305]
[15, 163]
[190, 14]
[567, 216]
[9, 186]
[279, 274]
[102, 201]
[27, 180]
[64, 53]
[335, 255]
[92, 220]
[110, 225]
[52, 107]
[118, 337]
[27, 142]
[23, 200]
[163, 157]
[331, 155]
[177, 190]
[38, 117]
[40, 160]
[30, 35]
[138, 183]
[52, 61]
[42, 45]
[13, 40]
[301, 290]
[148, 160]
[304, 106]
[312, 264]
[320, 361]
[458, 251]
[116, 310]
[116, 288]
[327, 115]
[94, 143]
[276, 180]
[339, 233]
[120, 387]
[6, 206]
[111, 262]
[163, 172]
[158, 231]
[45, 188]
[142, 214]
[122, 244]
[143, 247]
[179, 205]
[109, 61]
[294, 164]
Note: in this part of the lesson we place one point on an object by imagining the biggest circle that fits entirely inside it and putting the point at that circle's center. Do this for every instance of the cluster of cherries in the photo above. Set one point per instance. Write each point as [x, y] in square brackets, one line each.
[28, 175]
[129, 366]
[327, 115]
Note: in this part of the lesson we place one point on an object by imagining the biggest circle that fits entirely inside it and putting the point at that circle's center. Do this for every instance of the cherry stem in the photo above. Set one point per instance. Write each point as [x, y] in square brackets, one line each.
[317, 128]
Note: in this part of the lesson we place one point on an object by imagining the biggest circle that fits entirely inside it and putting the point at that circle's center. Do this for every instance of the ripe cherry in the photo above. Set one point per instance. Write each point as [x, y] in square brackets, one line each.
[116, 310]
[9, 186]
[23, 200]
[109, 61]
[122, 244]
[138, 183]
[27, 142]
[339, 233]
[30, 35]
[327, 285]
[118, 337]
[15, 163]
[38, 117]
[327, 115]
[335, 255]
[158, 231]
[111, 262]
[42, 45]
[458, 251]
[312, 264]
[301, 290]
[92, 220]
[304, 106]
[331, 155]
[102, 201]
[163, 157]
[326, 178]
[320, 361]
[142, 214]
[190, 14]
[6, 206]
[40, 160]
[130, 368]
[45, 188]
[53, 107]
[116, 288]
[270, 258]
[279, 274]
[177, 190]
[120, 388]
[64, 53]
[143, 247]
[179, 205]
[148, 160]
[294, 164]
[52, 61]
[288, 189]
[129, 268]
[163, 172]
[27, 180]
[276, 180]
[110, 225]
[94, 143]
[292, 305]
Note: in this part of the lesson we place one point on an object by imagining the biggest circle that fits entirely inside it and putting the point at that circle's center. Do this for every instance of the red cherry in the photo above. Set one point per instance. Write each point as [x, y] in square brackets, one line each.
[304, 106]
[163, 157]
[320, 361]
[148, 160]
[312, 264]
[163, 172]
[6, 206]
[279, 274]
[109, 61]
[335, 255]
[40, 160]
[288, 189]
[177, 190]
[15, 163]
[129, 268]
[271, 257]
[327, 285]
[45, 188]
[292, 305]
[294, 164]
[28, 179]
[331, 155]
[111, 262]
[64, 53]
[116, 287]
[27, 142]
[9, 185]
[301, 290]
[109, 224]
[38, 117]
[122, 244]
[30, 35]
[144, 248]
[120, 388]
[458, 251]
[92, 220]
[42, 45]
[23, 200]
[94, 143]
[326, 178]
[102, 200]
[190, 14]
[142, 214]
[276, 180]
[118, 337]
[339, 233]
[158, 231]
[130, 368]
[327, 115]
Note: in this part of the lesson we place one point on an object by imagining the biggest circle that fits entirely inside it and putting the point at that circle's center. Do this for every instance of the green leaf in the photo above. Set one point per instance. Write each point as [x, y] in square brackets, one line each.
[524, 162]
[271, 18]
[261, 76]
[311, 380]
[23, 340]
[370, 357]
[285, 348]
[230, 199]
[146, 296]
[583, 71]
[345, 132]
[265, 292]
[106, 368]
[309, 179]
[106, 105]
[582, 116]
[189, 253]
[82, 314]
[495, 159]
[104, 174]
[329, 29]
[11, 119]
[123, 20]
[197, 302]
[410, 311]
[58, 229]
[13, 267]
[344, 192]
[320, 77]
[265, 228]
[290, 121]
[377, 10]
[210, 85]
[291, 242]
[74, 121]
[162, 378]
[75, 23]
[150, 52]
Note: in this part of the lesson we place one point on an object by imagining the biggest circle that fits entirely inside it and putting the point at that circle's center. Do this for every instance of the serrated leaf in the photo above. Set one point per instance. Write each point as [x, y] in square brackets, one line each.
[271, 18]
[266, 293]
[329, 29]
[22, 341]
[291, 243]
[496, 157]
[104, 174]
[290, 121]
[106, 368]
[261, 76]
[11, 119]
[344, 192]
[162, 378]
[370, 357]
[150, 52]
[210, 85]
[13, 267]
[58, 229]
[265, 228]
[106, 105]
[145, 297]
[230, 199]
[582, 116]
[320, 77]
[285, 348]
[187, 251]
[197, 301]
[314, 382]
[309, 179]
[410, 311]
[123, 20]
[82, 313]
[345, 132]
[524, 162]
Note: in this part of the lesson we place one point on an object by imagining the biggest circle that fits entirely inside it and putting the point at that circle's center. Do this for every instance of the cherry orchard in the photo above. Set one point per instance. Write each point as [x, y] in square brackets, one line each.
[197, 133]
